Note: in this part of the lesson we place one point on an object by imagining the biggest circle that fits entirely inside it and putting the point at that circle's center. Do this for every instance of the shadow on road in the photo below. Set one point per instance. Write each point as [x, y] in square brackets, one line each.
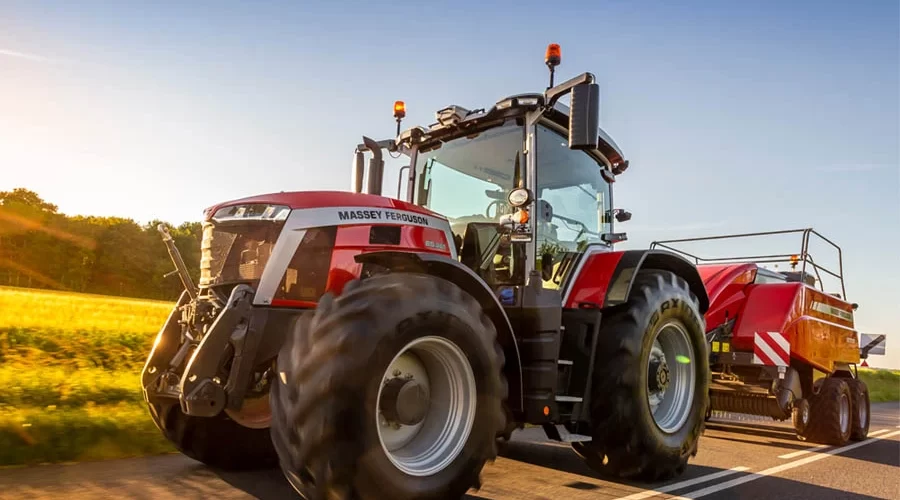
[264, 485]
[562, 458]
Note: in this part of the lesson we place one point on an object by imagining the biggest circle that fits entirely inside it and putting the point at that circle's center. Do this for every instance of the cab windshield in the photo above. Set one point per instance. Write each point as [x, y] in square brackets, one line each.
[467, 179]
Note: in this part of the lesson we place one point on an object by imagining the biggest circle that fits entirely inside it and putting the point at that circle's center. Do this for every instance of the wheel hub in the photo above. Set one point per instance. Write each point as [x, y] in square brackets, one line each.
[670, 389]
[659, 375]
[404, 401]
[426, 406]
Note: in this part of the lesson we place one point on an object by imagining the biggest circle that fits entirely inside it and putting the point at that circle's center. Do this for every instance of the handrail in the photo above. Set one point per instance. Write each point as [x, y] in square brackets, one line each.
[766, 259]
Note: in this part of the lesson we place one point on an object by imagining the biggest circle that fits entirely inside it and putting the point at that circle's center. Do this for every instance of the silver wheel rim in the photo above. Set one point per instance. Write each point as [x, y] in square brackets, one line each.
[671, 377]
[441, 368]
[844, 413]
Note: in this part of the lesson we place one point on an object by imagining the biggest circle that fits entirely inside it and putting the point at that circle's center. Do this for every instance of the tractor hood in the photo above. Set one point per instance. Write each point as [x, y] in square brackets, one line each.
[297, 200]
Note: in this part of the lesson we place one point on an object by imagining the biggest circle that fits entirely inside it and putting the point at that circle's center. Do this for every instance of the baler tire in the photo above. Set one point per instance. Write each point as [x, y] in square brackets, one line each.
[626, 441]
[861, 409]
[825, 413]
[325, 418]
[800, 416]
[218, 441]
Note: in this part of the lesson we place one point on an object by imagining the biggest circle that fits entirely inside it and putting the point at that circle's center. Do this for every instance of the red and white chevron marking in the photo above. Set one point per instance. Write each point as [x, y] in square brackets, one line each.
[771, 349]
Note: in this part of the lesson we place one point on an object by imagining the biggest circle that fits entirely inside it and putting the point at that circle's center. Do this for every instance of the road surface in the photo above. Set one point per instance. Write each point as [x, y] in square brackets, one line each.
[738, 458]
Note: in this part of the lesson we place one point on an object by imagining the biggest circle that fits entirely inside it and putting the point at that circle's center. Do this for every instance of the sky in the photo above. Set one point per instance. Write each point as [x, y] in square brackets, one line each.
[736, 116]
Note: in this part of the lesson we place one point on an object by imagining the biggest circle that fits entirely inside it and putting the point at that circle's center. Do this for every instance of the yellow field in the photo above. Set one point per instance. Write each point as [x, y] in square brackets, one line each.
[69, 376]
[39, 309]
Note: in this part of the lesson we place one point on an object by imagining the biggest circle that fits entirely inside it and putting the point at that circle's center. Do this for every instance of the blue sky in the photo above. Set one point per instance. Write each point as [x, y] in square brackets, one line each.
[735, 116]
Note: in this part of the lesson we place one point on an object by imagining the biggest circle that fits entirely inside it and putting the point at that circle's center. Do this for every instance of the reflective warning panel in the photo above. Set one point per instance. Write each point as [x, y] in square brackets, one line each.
[871, 343]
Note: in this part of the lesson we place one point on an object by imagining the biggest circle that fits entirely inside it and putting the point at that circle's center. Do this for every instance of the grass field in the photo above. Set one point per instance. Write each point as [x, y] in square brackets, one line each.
[69, 377]
[884, 385]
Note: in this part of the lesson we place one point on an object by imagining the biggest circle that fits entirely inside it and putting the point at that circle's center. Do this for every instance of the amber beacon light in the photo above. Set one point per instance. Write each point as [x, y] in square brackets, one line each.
[553, 55]
[552, 58]
[399, 113]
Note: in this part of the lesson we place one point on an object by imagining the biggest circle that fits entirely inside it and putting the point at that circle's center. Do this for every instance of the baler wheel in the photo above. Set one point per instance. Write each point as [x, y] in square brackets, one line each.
[394, 389]
[830, 413]
[861, 407]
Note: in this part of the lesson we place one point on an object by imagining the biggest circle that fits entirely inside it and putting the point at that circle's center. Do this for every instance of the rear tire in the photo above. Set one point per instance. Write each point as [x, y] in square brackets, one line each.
[628, 440]
[218, 441]
[328, 423]
[859, 391]
[830, 413]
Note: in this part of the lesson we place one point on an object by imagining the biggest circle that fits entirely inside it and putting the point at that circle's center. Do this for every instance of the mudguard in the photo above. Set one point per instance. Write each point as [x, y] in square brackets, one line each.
[465, 278]
[604, 279]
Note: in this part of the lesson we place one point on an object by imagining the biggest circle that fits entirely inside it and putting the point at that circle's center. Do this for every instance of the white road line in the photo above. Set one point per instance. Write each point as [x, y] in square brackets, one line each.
[803, 452]
[684, 484]
[820, 446]
[775, 470]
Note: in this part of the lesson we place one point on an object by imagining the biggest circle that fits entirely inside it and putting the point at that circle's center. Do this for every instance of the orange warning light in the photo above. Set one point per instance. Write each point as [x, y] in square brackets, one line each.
[553, 56]
[546, 411]
[399, 109]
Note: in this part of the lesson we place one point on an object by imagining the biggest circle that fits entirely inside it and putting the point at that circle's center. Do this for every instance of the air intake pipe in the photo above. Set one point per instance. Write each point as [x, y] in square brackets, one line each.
[358, 171]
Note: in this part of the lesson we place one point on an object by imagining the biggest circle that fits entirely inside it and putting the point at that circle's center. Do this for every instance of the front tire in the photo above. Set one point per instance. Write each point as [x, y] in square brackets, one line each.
[217, 441]
[647, 425]
[393, 390]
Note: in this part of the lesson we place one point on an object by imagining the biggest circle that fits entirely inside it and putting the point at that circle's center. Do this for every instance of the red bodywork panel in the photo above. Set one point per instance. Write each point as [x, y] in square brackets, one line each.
[592, 281]
[818, 326]
[323, 199]
[351, 241]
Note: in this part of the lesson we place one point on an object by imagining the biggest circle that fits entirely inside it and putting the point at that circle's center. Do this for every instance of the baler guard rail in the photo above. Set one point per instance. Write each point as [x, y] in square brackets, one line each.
[804, 255]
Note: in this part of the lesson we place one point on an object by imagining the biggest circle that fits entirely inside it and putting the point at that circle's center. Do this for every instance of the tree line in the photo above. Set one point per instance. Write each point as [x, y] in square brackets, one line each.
[43, 248]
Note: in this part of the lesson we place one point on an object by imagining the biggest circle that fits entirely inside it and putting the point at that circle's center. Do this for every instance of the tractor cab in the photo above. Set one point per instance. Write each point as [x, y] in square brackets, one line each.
[526, 184]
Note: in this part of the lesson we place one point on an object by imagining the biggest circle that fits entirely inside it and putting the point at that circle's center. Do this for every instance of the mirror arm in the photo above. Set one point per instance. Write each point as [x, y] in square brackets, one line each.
[552, 95]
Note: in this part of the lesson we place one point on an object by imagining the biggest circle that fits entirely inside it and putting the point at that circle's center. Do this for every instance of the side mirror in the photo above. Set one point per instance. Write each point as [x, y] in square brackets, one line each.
[623, 215]
[584, 116]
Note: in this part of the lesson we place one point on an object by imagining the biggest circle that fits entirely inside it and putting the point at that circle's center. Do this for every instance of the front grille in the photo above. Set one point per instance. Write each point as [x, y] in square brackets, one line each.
[236, 251]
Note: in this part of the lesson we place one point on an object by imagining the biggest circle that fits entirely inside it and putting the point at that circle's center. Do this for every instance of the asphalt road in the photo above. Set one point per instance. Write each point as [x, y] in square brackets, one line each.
[739, 458]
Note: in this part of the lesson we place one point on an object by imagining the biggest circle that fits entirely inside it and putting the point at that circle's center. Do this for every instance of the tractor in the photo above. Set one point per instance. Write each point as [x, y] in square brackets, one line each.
[378, 347]
[782, 344]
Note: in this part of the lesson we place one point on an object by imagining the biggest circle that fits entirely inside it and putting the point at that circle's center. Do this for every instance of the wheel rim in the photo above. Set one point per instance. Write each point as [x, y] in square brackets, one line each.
[434, 432]
[671, 377]
[845, 413]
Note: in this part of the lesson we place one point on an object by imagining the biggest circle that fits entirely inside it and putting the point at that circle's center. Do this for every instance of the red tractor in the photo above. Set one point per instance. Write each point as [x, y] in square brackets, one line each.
[383, 348]
[781, 344]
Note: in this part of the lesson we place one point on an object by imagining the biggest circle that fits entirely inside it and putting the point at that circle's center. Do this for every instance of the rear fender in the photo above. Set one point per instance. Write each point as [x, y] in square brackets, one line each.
[604, 279]
[451, 270]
